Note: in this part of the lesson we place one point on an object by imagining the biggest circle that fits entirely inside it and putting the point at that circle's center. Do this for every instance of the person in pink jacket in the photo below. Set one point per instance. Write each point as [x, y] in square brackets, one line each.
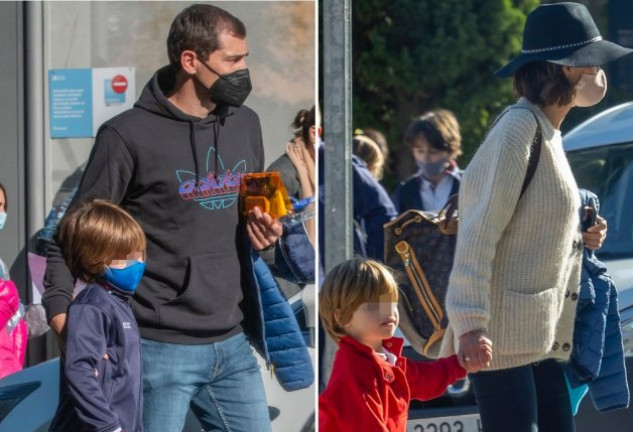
[13, 330]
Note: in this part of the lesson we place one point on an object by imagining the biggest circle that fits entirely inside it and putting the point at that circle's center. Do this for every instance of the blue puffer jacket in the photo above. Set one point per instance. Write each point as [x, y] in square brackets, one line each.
[279, 340]
[597, 358]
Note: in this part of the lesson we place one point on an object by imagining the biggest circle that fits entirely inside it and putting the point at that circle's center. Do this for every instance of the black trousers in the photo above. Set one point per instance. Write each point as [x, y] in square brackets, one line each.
[531, 398]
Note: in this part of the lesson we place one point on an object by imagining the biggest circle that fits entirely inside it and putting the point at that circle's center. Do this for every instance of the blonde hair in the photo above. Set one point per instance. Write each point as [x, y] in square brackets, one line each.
[347, 286]
[366, 148]
[440, 128]
[96, 232]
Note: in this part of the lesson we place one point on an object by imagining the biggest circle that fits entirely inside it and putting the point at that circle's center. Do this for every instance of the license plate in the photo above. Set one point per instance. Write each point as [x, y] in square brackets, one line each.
[465, 423]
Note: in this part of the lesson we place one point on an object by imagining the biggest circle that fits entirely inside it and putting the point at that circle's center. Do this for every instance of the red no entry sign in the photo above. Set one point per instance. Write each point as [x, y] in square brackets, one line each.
[119, 84]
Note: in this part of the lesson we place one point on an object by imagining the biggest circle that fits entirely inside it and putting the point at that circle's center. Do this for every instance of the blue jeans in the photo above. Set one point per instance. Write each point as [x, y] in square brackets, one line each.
[531, 398]
[221, 381]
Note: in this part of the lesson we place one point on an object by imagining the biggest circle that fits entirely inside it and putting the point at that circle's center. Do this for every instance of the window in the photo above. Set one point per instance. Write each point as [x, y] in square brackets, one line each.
[608, 172]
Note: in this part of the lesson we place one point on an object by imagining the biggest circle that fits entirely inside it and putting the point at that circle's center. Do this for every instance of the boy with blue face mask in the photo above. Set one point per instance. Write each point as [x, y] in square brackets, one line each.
[105, 248]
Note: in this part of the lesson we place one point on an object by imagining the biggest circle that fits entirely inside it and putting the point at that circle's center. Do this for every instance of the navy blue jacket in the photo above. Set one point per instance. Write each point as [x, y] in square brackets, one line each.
[107, 395]
[407, 195]
[372, 209]
[597, 358]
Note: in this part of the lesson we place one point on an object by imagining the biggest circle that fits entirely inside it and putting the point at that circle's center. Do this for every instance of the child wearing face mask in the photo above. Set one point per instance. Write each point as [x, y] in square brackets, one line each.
[435, 141]
[104, 247]
[371, 383]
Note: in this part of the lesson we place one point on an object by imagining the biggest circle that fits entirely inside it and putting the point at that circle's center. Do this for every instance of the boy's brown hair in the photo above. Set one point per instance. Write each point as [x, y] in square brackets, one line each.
[440, 129]
[96, 232]
[347, 286]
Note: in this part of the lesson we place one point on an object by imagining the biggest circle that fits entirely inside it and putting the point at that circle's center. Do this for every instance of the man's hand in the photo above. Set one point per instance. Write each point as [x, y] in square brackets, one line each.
[58, 324]
[262, 230]
[595, 235]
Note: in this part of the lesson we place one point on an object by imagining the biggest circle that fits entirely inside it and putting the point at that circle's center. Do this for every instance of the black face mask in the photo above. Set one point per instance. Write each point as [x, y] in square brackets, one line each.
[230, 89]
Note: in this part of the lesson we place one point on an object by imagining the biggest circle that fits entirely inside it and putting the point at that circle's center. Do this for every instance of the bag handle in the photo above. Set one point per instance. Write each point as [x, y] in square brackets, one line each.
[448, 212]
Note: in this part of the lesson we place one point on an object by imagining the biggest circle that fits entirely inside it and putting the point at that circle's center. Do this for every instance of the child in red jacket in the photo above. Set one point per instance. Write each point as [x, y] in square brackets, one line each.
[371, 384]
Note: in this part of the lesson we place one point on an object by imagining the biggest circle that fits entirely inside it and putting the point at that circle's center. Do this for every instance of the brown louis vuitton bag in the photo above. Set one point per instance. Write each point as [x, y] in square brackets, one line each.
[420, 248]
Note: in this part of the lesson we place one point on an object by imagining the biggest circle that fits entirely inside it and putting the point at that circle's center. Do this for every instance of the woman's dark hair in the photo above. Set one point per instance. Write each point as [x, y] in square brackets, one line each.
[6, 199]
[304, 120]
[197, 28]
[543, 83]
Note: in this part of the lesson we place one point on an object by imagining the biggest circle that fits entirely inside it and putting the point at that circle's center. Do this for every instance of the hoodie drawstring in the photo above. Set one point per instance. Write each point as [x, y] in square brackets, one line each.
[192, 141]
[216, 137]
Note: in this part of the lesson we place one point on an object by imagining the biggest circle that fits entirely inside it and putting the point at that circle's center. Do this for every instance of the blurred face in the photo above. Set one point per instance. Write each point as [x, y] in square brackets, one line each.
[373, 322]
[2, 201]
[424, 152]
[130, 259]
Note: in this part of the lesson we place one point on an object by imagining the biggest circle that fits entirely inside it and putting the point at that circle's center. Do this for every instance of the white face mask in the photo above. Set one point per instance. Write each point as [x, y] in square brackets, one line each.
[590, 89]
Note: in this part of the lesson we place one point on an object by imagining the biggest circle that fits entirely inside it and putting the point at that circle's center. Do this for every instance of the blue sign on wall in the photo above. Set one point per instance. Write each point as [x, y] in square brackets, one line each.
[70, 103]
[82, 99]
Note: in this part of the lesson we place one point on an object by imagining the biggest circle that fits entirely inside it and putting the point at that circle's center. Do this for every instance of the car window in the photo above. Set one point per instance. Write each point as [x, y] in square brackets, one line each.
[608, 172]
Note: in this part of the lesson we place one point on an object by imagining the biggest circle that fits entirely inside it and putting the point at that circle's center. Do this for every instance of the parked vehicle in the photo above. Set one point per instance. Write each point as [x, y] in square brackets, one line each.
[600, 152]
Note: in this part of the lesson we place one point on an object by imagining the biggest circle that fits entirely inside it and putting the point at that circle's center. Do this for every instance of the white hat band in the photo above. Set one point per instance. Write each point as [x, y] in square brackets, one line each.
[537, 50]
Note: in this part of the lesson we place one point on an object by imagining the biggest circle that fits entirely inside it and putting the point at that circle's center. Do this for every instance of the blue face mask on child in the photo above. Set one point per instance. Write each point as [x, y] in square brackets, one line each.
[126, 278]
[3, 219]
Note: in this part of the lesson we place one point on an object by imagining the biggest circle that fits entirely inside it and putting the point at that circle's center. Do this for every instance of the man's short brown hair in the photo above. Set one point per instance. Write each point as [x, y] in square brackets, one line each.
[544, 84]
[197, 28]
[347, 286]
[94, 233]
[440, 129]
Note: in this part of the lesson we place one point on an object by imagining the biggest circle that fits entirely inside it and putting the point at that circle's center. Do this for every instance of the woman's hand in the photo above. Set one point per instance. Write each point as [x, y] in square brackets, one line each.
[595, 235]
[475, 351]
[295, 153]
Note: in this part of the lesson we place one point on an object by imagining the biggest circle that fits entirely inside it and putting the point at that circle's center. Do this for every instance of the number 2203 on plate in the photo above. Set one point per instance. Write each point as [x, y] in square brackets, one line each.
[466, 423]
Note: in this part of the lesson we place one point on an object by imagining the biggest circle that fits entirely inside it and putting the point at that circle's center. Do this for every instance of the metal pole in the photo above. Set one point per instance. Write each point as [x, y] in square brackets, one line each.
[337, 86]
[34, 93]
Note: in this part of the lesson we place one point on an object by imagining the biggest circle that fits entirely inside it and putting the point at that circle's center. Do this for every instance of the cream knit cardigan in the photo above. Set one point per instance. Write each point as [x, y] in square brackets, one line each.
[517, 264]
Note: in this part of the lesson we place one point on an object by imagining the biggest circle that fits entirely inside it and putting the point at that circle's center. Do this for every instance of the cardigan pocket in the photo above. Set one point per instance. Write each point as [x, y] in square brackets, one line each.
[528, 322]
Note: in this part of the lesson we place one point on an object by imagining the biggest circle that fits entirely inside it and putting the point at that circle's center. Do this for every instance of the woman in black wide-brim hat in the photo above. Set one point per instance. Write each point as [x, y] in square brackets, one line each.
[516, 273]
